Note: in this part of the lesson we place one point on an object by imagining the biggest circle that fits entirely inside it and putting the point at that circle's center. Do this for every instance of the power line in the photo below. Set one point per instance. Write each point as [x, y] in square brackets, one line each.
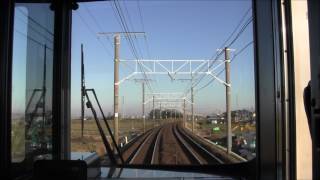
[225, 42]
[234, 57]
[97, 23]
[36, 22]
[129, 39]
[125, 28]
[235, 29]
[140, 13]
[241, 31]
[139, 63]
[143, 29]
[35, 30]
[232, 42]
[115, 14]
[142, 24]
[94, 34]
[147, 46]
[244, 26]
[32, 39]
[132, 27]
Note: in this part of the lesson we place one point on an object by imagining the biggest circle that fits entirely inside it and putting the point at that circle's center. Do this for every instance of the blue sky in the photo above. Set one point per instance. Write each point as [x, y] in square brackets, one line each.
[175, 30]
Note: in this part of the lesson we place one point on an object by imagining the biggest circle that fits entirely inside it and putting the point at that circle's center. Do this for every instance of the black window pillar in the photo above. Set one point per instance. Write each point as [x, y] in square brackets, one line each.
[6, 34]
[314, 30]
[61, 78]
[268, 83]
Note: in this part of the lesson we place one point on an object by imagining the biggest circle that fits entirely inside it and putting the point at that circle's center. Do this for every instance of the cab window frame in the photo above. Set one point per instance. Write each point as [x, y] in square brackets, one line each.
[267, 48]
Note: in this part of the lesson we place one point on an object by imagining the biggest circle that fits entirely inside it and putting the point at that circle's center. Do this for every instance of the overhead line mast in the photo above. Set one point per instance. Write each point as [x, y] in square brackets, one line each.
[116, 87]
[228, 100]
[116, 77]
[83, 87]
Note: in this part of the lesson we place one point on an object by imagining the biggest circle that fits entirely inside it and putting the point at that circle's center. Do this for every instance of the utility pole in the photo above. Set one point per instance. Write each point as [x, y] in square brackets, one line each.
[160, 115]
[175, 114]
[44, 90]
[228, 99]
[143, 114]
[122, 109]
[184, 112]
[153, 112]
[116, 87]
[192, 111]
[116, 76]
[143, 81]
[83, 88]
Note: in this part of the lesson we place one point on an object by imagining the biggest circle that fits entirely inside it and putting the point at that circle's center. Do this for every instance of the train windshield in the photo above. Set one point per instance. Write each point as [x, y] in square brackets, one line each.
[153, 82]
[173, 80]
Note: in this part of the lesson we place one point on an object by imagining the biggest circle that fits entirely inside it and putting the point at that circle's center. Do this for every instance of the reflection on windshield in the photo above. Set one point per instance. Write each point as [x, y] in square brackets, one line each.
[32, 82]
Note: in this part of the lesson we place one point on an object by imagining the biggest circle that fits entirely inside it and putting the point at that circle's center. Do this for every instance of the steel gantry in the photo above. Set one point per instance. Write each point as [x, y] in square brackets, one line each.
[174, 68]
[177, 70]
[171, 100]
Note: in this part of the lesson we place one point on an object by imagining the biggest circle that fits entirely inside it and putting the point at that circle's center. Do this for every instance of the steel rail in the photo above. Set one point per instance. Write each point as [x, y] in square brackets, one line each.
[201, 149]
[141, 146]
[155, 148]
[134, 140]
[143, 137]
[186, 147]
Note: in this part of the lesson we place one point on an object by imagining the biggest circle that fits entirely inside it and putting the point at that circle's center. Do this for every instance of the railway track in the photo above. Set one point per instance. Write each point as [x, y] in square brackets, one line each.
[168, 144]
[129, 150]
[202, 154]
[144, 153]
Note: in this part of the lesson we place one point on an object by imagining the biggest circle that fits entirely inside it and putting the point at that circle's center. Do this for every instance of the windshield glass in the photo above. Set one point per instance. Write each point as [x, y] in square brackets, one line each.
[172, 80]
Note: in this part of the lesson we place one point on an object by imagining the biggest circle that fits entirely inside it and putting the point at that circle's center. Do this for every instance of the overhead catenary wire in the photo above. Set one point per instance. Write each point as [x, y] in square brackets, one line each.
[245, 25]
[134, 47]
[96, 23]
[131, 43]
[122, 24]
[32, 39]
[101, 29]
[132, 27]
[129, 39]
[125, 29]
[235, 29]
[143, 29]
[240, 32]
[220, 72]
[94, 34]
[44, 36]
[225, 42]
[36, 22]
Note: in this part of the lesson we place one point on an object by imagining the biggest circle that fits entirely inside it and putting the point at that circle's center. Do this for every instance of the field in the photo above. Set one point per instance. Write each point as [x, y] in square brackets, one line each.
[205, 129]
[91, 140]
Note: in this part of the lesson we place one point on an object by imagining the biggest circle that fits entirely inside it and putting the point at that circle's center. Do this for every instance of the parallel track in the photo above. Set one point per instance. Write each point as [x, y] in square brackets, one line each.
[168, 144]
[202, 152]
